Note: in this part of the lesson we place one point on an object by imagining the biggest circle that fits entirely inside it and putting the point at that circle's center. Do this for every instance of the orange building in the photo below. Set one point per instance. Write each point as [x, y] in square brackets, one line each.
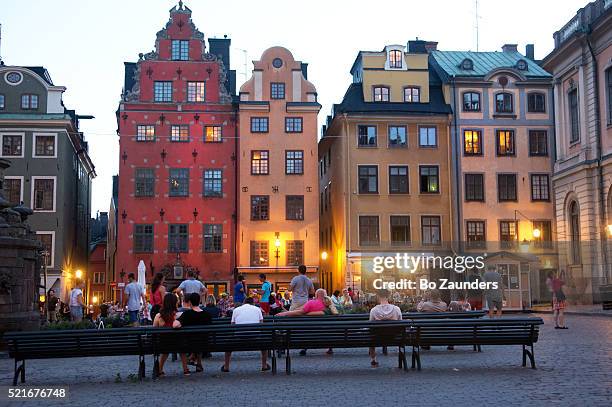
[278, 227]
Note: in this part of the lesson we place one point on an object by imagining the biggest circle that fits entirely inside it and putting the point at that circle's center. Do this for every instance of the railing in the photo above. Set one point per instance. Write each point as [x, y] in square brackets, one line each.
[583, 18]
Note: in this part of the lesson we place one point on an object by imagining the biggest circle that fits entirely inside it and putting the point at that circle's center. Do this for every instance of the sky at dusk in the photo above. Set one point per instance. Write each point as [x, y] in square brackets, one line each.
[83, 43]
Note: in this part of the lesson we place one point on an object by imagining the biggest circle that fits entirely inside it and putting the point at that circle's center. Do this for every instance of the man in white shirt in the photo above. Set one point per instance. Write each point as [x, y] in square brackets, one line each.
[247, 313]
[76, 302]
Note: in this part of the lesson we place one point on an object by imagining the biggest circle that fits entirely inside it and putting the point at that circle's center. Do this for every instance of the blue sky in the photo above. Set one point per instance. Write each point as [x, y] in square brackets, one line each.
[83, 43]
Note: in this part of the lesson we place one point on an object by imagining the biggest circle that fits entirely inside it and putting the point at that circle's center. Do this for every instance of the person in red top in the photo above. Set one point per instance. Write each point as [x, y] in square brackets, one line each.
[316, 306]
[166, 318]
[158, 291]
[558, 301]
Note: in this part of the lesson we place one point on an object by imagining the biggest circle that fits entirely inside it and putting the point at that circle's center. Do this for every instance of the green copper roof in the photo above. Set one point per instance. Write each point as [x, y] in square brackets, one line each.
[485, 62]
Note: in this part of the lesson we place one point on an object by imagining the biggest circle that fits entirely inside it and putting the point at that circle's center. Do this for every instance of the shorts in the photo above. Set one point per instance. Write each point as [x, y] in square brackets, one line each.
[133, 315]
[495, 303]
[265, 307]
[296, 305]
[558, 305]
[76, 313]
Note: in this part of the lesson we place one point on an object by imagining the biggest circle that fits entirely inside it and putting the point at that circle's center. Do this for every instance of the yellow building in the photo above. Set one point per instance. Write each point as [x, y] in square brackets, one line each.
[384, 164]
[278, 227]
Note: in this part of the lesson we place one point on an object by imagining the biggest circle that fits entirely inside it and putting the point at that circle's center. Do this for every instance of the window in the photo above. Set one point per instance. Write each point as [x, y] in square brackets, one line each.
[213, 238]
[505, 142]
[521, 65]
[467, 64]
[13, 191]
[259, 253]
[475, 233]
[44, 194]
[12, 145]
[395, 58]
[544, 226]
[536, 102]
[2, 102]
[574, 117]
[260, 207]
[144, 182]
[429, 182]
[472, 142]
[277, 90]
[540, 190]
[213, 134]
[428, 137]
[430, 230]
[507, 233]
[259, 162]
[368, 179]
[397, 136]
[503, 103]
[143, 238]
[400, 230]
[538, 143]
[295, 252]
[293, 124]
[412, 94]
[163, 91]
[213, 183]
[471, 102]
[29, 102]
[398, 179]
[381, 94]
[180, 50]
[474, 187]
[46, 239]
[294, 162]
[44, 146]
[259, 124]
[145, 133]
[98, 277]
[366, 136]
[179, 133]
[574, 226]
[506, 187]
[608, 94]
[196, 91]
[294, 207]
[368, 231]
[179, 182]
[178, 238]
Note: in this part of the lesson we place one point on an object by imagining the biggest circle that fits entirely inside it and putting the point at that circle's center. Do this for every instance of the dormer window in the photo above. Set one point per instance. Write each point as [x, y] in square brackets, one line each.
[521, 65]
[467, 64]
[395, 59]
[180, 50]
[381, 94]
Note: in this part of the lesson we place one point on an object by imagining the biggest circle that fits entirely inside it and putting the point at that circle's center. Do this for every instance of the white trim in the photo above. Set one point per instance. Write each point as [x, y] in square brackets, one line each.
[52, 233]
[34, 178]
[34, 135]
[12, 133]
[21, 178]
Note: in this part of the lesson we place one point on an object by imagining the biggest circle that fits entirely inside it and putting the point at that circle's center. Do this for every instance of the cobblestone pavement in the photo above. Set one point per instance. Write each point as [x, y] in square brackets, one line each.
[574, 369]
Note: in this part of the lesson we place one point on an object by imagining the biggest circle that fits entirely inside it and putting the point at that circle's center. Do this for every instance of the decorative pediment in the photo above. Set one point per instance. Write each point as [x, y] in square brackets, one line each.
[133, 95]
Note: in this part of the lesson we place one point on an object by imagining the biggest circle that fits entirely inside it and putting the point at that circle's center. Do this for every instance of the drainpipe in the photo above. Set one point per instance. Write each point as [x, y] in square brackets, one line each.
[457, 167]
[600, 179]
[349, 195]
[236, 191]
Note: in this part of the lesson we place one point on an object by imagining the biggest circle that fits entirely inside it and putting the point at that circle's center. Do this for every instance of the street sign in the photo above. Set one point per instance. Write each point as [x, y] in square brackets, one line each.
[121, 285]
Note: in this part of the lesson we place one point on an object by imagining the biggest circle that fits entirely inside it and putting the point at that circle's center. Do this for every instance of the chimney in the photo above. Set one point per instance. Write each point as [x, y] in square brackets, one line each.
[416, 47]
[304, 67]
[431, 46]
[529, 50]
[509, 48]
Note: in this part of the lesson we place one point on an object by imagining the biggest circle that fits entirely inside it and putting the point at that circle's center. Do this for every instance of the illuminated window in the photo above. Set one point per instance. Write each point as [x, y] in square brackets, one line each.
[145, 133]
[507, 233]
[259, 162]
[505, 142]
[259, 253]
[179, 133]
[472, 142]
[295, 252]
[395, 58]
[213, 134]
[429, 179]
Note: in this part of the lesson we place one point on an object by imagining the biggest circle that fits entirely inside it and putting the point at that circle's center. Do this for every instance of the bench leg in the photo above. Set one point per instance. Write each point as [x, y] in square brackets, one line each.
[19, 372]
[141, 367]
[273, 362]
[385, 351]
[416, 357]
[530, 355]
[288, 362]
[155, 367]
[403, 362]
[399, 358]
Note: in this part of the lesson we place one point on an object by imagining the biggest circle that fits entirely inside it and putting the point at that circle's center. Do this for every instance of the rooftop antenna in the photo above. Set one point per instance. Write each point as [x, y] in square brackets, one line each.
[476, 17]
[246, 72]
[1, 62]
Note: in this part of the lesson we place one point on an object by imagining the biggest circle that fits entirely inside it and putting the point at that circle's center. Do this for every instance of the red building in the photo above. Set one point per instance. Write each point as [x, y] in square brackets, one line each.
[177, 168]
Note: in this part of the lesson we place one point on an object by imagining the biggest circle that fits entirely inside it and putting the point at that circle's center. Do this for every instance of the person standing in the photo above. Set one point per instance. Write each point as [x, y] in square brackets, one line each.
[158, 292]
[191, 285]
[247, 313]
[494, 296]
[134, 293]
[384, 311]
[77, 303]
[52, 302]
[224, 304]
[240, 291]
[558, 302]
[301, 288]
[265, 291]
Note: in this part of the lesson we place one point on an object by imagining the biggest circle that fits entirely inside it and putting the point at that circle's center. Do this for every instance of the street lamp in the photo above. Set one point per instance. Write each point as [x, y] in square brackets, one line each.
[94, 299]
[324, 255]
[609, 230]
[78, 274]
[537, 233]
[277, 244]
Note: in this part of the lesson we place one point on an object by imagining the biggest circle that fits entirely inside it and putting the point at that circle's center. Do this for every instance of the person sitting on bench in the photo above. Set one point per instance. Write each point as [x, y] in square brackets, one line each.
[384, 311]
[316, 306]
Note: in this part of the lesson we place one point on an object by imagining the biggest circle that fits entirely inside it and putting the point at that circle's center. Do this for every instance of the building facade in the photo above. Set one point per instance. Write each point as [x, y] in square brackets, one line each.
[384, 168]
[502, 138]
[581, 65]
[50, 170]
[278, 226]
[177, 168]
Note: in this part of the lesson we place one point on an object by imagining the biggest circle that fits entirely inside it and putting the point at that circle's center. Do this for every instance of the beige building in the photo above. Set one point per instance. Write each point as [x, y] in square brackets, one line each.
[384, 163]
[278, 226]
[581, 65]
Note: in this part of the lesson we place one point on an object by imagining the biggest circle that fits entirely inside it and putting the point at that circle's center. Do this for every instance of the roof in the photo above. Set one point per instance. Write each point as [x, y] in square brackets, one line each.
[42, 72]
[485, 62]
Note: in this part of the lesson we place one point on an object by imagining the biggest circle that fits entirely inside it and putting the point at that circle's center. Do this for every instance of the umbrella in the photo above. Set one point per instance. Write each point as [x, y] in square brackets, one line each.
[142, 280]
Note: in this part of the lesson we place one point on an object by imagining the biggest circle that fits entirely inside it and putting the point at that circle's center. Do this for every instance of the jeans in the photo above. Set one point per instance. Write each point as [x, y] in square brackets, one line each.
[133, 316]
[76, 313]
